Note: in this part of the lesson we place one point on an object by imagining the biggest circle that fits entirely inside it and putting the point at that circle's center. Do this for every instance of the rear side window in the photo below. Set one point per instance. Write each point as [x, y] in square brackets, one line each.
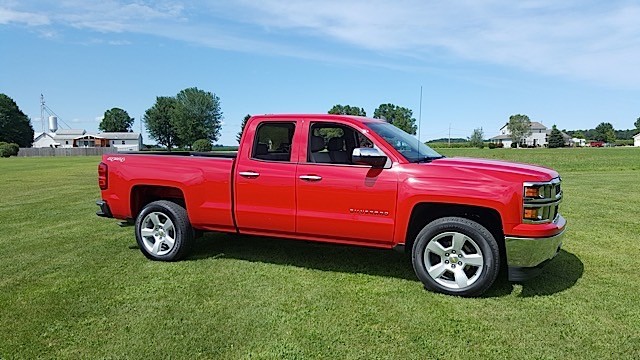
[273, 141]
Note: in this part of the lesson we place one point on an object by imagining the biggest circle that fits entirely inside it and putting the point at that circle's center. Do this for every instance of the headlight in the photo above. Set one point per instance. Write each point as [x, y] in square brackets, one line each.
[541, 201]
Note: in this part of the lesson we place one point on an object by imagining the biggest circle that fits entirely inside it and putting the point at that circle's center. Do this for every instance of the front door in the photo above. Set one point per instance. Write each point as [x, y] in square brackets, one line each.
[339, 200]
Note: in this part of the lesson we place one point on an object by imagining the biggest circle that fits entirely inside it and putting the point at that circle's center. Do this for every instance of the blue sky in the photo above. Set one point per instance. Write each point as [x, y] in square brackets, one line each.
[570, 63]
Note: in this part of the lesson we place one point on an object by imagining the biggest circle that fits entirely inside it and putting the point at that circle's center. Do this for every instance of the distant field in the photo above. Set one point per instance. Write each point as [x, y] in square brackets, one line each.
[73, 285]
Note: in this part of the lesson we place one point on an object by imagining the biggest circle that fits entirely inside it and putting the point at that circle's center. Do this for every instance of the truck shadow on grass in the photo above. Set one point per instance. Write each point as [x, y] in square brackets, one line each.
[560, 274]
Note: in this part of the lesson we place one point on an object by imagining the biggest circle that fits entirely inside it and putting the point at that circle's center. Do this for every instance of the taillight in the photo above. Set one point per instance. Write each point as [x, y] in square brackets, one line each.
[103, 176]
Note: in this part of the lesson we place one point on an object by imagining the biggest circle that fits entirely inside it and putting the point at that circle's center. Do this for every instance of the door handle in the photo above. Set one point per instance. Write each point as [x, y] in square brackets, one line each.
[310, 177]
[249, 174]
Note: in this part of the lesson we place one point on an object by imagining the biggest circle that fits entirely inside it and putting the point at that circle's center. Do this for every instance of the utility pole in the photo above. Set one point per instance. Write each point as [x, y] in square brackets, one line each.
[42, 110]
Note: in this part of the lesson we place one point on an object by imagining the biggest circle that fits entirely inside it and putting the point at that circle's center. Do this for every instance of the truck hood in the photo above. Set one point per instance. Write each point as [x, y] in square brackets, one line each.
[492, 167]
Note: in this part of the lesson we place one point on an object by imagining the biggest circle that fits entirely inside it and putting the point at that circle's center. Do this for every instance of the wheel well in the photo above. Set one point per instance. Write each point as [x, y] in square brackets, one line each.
[141, 195]
[425, 213]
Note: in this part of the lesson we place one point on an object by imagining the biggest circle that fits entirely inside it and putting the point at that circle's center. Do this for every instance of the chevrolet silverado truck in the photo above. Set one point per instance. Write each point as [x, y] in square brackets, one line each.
[345, 180]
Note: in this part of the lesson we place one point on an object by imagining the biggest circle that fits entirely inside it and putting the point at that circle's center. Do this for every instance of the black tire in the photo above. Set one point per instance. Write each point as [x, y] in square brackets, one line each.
[168, 213]
[478, 243]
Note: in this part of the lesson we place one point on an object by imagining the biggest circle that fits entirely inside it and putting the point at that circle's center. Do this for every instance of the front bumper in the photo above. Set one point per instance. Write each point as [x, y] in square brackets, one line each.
[527, 256]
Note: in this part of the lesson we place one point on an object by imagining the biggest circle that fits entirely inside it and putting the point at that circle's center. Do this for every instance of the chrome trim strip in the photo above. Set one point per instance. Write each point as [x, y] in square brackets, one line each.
[529, 252]
[533, 205]
[553, 181]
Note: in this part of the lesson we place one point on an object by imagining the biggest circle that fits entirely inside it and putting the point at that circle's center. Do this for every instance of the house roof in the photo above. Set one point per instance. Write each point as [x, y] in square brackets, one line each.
[59, 137]
[636, 136]
[119, 135]
[537, 126]
[88, 136]
[74, 132]
[534, 126]
[39, 135]
[501, 137]
[564, 134]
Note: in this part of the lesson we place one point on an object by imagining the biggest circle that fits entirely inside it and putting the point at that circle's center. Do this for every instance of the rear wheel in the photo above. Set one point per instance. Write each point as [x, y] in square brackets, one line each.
[456, 256]
[163, 231]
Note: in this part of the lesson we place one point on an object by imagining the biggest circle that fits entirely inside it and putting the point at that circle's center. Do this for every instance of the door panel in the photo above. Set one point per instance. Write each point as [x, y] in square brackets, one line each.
[266, 202]
[265, 180]
[346, 202]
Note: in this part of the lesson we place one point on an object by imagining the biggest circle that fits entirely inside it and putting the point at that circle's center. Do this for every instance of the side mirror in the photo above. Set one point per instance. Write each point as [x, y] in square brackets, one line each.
[368, 156]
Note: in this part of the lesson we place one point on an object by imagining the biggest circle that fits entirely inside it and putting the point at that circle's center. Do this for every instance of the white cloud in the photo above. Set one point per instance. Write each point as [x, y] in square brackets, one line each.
[8, 16]
[595, 41]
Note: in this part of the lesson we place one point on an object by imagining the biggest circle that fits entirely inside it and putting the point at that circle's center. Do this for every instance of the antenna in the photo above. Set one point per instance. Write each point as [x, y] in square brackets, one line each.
[420, 115]
[420, 121]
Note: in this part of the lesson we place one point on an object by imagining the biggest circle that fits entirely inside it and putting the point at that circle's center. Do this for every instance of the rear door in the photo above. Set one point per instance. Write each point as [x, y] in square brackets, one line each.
[265, 179]
[337, 199]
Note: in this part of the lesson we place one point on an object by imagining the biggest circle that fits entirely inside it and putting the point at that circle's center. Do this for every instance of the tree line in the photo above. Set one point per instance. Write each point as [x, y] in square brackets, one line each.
[399, 116]
[193, 119]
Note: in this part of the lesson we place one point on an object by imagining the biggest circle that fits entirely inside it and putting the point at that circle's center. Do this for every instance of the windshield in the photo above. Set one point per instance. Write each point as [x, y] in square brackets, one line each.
[407, 145]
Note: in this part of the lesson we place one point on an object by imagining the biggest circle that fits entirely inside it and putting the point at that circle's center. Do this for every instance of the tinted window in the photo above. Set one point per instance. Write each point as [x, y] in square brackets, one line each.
[273, 141]
[333, 143]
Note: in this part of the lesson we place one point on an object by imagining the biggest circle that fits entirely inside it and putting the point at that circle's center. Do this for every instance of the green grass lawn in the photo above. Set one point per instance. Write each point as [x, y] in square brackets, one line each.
[73, 285]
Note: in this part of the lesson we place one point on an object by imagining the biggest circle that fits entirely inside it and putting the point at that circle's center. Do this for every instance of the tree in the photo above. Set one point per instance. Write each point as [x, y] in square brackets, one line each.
[116, 120]
[555, 138]
[476, 139]
[197, 115]
[605, 132]
[347, 110]
[160, 123]
[401, 117]
[202, 145]
[15, 126]
[578, 135]
[242, 125]
[637, 124]
[519, 127]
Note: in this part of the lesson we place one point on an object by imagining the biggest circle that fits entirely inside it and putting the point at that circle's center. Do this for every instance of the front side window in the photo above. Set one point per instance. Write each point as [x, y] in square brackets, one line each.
[407, 145]
[331, 143]
[273, 141]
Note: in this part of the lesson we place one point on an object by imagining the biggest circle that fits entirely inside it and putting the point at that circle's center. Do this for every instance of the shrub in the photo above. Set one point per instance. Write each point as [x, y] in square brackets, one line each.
[492, 146]
[8, 149]
[202, 145]
[514, 145]
[624, 142]
[500, 145]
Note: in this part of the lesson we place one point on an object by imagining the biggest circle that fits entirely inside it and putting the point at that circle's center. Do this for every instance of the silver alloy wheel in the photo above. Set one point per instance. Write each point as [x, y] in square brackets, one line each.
[453, 260]
[158, 233]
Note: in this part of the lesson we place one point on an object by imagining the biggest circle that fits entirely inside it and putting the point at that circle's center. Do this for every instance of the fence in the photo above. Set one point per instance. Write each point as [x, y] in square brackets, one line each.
[30, 152]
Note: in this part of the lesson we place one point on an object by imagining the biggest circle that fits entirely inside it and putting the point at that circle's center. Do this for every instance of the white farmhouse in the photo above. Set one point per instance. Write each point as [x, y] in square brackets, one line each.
[538, 138]
[71, 138]
[43, 140]
[124, 141]
[636, 139]
[64, 137]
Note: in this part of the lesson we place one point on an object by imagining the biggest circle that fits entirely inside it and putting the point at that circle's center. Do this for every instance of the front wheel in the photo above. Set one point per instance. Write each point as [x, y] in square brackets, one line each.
[163, 231]
[456, 256]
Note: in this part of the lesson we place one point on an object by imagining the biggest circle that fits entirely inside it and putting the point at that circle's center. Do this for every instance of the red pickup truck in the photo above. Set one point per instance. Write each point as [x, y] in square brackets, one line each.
[345, 180]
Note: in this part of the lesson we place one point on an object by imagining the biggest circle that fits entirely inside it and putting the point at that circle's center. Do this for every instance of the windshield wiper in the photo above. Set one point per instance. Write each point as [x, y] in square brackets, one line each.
[427, 159]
